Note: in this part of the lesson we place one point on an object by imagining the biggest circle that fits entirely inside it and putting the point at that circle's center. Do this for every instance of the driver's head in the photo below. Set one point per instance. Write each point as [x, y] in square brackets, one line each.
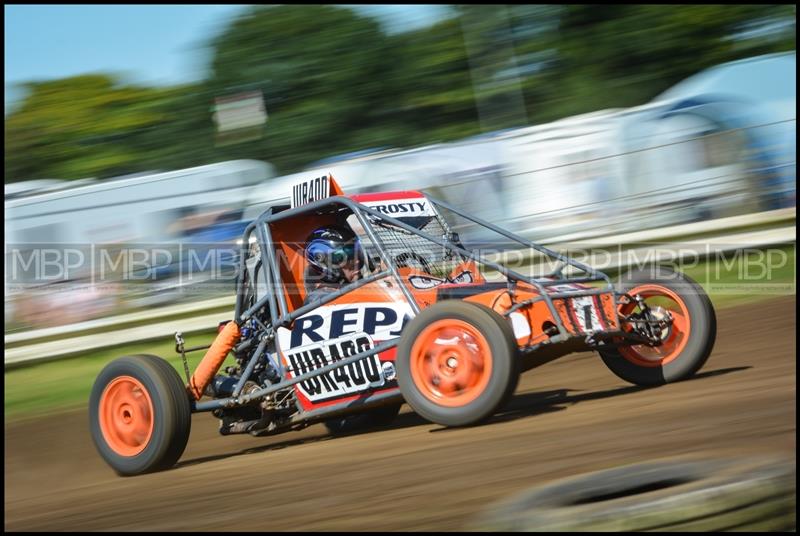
[334, 252]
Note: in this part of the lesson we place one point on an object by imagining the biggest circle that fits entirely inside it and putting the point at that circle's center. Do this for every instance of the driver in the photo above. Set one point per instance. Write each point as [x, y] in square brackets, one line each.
[334, 259]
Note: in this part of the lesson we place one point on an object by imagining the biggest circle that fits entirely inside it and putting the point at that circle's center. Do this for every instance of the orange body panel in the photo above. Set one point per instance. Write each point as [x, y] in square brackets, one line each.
[537, 316]
[425, 297]
[290, 241]
[471, 267]
[382, 291]
[610, 311]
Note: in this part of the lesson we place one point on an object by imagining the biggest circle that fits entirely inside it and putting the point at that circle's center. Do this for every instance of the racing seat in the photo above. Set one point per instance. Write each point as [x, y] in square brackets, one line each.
[289, 238]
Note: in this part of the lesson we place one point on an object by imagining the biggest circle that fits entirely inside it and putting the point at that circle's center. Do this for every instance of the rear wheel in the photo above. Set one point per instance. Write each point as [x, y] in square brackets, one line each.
[687, 336]
[457, 363]
[139, 415]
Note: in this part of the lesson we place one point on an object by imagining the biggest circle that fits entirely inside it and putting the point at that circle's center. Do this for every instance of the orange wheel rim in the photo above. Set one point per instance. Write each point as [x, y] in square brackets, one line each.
[126, 416]
[451, 362]
[676, 338]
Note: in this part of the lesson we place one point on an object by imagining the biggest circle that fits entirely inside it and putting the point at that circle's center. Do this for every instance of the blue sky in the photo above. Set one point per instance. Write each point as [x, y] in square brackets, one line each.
[154, 44]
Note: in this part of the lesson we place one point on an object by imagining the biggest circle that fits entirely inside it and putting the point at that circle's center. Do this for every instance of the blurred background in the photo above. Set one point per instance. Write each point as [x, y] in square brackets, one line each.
[140, 140]
[166, 129]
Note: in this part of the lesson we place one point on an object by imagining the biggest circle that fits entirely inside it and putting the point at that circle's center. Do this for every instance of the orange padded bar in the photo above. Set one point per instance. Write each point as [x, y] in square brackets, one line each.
[213, 359]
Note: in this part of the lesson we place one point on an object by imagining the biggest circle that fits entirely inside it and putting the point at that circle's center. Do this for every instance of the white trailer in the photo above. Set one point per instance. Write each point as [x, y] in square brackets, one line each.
[72, 218]
[130, 209]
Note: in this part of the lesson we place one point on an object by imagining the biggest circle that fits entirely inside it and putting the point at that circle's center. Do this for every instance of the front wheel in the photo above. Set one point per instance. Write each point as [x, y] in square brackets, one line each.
[139, 415]
[457, 363]
[687, 333]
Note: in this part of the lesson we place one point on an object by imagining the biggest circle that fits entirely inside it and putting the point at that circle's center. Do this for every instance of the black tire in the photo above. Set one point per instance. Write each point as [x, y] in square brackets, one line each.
[374, 418]
[504, 357]
[664, 495]
[171, 419]
[703, 331]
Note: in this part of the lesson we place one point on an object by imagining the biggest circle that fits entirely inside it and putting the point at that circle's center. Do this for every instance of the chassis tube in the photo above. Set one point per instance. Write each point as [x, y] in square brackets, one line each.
[268, 298]
[322, 412]
[243, 345]
[578, 294]
[250, 366]
[266, 238]
[240, 287]
[556, 295]
[562, 281]
[334, 295]
[382, 251]
[240, 401]
[521, 240]
[313, 305]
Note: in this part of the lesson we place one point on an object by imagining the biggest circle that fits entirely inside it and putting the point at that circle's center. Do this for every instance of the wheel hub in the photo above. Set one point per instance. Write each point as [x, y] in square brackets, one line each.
[664, 319]
[451, 362]
[126, 416]
[666, 327]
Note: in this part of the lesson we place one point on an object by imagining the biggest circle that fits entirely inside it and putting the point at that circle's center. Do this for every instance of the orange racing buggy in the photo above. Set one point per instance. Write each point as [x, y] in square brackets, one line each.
[430, 322]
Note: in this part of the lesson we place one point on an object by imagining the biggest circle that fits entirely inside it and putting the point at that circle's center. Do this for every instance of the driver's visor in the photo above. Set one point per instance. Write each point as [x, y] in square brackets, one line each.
[345, 253]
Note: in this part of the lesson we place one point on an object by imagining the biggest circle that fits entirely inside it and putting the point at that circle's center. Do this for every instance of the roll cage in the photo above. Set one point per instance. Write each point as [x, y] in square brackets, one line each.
[281, 314]
[272, 311]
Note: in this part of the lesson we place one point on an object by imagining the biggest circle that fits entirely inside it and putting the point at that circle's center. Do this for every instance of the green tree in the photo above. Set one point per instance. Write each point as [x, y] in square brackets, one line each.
[322, 71]
[334, 82]
[79, 127]
[184, 136]
[433, 93]
[624, 55]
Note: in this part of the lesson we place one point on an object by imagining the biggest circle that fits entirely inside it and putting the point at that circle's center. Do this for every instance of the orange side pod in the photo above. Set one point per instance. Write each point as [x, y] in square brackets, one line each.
[213, 359]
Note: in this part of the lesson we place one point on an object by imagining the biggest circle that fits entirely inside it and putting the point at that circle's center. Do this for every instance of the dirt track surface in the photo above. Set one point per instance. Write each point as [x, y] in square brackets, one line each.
[568, 417]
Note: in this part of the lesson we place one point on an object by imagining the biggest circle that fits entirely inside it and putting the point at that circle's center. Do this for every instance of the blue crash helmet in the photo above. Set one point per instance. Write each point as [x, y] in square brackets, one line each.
[331, 247]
